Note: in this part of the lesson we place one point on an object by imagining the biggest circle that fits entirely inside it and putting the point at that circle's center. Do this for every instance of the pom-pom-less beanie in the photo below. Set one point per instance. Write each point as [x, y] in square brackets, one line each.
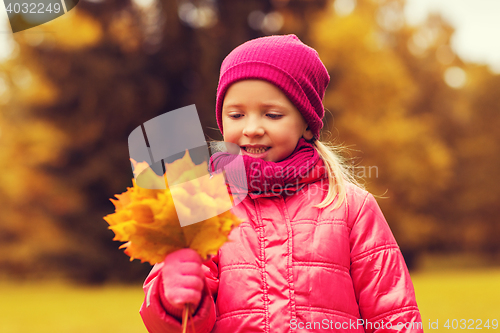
[286, 62]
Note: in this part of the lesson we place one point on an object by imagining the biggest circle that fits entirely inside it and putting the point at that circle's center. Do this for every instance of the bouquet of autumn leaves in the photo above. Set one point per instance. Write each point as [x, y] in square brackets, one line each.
[147, 216]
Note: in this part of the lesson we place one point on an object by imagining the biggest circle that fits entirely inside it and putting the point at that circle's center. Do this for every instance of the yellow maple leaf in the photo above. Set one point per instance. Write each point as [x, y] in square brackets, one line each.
[147, 220]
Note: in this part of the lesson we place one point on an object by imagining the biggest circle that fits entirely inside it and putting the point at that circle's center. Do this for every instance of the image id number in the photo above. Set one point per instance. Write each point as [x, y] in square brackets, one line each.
[471, 324]
[33, 8]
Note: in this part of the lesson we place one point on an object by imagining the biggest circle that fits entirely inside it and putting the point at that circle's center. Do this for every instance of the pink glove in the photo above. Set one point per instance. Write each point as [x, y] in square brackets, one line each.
[183, 278]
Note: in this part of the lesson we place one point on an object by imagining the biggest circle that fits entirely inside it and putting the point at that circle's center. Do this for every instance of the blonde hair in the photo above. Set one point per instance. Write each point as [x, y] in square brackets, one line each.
[339, 172]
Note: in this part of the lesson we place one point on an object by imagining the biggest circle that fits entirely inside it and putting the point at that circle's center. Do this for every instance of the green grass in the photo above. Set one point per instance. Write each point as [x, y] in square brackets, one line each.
[62, 308]
[458, 295]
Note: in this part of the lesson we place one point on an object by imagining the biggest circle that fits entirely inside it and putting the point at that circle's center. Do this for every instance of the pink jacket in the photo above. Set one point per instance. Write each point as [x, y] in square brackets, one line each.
[294, 268]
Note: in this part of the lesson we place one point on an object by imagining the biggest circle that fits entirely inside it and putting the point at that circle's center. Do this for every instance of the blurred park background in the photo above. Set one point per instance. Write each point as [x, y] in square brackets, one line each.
[421, 124]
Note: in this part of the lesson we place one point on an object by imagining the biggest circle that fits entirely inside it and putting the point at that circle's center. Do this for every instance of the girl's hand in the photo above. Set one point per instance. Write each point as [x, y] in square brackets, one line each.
[183, 278]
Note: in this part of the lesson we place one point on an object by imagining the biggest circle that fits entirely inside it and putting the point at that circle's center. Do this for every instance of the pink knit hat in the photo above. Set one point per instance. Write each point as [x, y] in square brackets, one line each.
[286, 62]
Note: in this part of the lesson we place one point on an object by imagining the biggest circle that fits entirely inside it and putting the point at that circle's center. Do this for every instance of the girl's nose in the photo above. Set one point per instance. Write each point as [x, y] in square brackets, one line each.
[253, 128]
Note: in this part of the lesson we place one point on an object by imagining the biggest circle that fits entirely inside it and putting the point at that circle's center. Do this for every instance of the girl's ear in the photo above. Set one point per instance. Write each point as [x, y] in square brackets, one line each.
[308, 134]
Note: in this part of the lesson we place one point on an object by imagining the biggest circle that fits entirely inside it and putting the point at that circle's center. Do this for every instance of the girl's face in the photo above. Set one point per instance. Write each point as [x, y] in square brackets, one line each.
[258, 117]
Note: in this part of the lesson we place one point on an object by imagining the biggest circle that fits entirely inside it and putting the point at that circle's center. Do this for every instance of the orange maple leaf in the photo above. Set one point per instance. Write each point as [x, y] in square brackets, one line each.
[148, 221]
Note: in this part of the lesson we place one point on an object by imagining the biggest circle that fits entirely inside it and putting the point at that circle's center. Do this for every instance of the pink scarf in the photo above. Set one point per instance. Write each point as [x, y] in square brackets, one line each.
[304, 165]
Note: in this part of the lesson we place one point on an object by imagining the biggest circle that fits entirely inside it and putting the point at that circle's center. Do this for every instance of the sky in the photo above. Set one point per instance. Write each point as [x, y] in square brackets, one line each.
[477, 24]
[476, 38]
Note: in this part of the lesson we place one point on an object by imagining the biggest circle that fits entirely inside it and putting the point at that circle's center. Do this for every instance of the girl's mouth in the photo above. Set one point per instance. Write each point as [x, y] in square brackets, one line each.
[259, 150]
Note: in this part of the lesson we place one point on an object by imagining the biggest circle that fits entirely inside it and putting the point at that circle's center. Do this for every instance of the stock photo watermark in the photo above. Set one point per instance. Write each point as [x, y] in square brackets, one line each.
[357, 324]
[261, 179]
[170, 135]
[450, 324]
[362, 171]
[26, 14]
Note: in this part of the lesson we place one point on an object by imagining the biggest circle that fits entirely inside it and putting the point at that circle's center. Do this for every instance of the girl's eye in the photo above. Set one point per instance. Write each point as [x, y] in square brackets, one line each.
[274, 116]
[234, 116]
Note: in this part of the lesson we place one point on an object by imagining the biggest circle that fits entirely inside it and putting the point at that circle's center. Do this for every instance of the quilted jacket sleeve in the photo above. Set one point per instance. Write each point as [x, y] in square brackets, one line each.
[382, 283]
[159, 317]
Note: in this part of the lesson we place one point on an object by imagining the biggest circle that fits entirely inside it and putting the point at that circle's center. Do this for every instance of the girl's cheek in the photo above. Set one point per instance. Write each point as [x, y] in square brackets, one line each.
[230, 138]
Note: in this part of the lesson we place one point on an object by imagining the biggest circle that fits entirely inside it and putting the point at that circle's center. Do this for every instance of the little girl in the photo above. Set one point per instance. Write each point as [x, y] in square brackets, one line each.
[314, 252]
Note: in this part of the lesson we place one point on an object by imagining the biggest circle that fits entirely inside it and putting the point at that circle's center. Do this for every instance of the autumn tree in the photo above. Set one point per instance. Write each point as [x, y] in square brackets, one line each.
[415, 117]
[78, 86]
